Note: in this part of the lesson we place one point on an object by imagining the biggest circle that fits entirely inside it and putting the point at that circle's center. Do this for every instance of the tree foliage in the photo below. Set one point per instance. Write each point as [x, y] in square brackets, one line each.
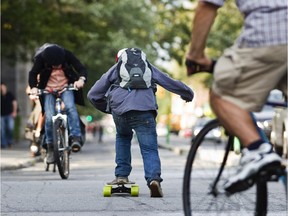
[96, 29]
[226, 28]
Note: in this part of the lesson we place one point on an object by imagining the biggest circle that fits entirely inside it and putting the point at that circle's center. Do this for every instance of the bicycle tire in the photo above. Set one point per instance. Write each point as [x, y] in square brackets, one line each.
[202, 192]
[61, 148]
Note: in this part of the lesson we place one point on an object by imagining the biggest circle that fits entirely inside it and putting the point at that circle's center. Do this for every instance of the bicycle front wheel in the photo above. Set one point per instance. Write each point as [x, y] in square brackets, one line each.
[61, 149]
[209, 164]
[205, 174]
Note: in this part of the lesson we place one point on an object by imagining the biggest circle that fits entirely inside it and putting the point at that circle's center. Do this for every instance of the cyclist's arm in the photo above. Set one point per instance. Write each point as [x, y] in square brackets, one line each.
[203, 21]
[33, 73]
[77, 65]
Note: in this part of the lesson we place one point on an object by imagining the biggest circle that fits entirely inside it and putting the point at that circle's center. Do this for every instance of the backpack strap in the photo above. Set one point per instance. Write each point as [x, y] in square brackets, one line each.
[153, 83]
[107, 96]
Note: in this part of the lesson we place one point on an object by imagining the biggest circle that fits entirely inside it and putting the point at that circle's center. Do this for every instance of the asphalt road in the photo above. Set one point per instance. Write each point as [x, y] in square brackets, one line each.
[32, 191]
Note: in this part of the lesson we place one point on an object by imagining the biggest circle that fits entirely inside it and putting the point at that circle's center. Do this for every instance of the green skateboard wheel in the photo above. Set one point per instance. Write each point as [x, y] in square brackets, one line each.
[134, 190]
[107, 190]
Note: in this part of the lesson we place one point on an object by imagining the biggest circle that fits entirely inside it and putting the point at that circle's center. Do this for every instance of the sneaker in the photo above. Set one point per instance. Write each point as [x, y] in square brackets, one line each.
[120, 180]
[76, 144]
[250, 164]
[155, 189]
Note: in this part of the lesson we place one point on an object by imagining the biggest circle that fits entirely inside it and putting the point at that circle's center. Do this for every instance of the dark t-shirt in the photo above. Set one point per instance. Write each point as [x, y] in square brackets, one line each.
[7, 104]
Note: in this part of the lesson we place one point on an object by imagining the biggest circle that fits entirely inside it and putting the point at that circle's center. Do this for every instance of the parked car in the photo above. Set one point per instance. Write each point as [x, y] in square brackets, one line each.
[279, 134]
[214, 135]
[186, 133]
[264, 119]
[265, 116]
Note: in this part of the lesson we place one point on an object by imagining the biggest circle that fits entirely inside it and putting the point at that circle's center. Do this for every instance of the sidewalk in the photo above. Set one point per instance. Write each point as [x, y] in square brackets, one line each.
[177, 144]
[19, 155]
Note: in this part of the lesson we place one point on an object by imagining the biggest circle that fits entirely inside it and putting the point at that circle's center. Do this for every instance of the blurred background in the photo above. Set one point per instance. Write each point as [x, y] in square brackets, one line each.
[94, 30]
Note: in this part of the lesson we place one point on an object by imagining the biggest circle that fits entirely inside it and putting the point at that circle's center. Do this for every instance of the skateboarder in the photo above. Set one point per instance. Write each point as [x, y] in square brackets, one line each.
[135, 109]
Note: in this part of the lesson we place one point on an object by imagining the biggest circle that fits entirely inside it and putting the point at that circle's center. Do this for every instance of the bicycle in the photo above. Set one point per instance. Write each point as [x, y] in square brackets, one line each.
[209, 164]
[61, 140]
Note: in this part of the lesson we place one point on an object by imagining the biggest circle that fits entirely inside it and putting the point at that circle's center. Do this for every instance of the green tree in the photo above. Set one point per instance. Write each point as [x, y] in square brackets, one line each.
[225, 30]
[96, 29]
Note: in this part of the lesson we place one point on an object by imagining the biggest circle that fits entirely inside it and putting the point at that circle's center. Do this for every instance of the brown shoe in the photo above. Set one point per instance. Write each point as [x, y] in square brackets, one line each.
[155, 189]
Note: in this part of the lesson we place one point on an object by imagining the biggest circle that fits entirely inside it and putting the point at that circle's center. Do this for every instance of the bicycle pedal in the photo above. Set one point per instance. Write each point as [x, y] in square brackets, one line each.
[272, 172]
[240, 185]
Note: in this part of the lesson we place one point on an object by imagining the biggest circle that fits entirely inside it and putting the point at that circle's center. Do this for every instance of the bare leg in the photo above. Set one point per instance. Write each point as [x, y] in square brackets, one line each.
[40, 122]
[235, 119]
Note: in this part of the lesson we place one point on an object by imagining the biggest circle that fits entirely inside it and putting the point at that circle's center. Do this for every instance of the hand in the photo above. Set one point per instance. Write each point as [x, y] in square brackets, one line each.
[193, 67]
[79, 84]
[186, 99]
[34, 91]
[33, 97]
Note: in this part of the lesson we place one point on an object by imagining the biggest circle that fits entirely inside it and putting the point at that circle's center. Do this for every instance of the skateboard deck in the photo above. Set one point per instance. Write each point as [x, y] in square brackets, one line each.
[121, 188]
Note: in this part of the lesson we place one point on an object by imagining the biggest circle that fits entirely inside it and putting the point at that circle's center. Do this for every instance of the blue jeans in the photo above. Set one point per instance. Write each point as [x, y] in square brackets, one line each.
[71, 111]
[7, 127]
[144, 124]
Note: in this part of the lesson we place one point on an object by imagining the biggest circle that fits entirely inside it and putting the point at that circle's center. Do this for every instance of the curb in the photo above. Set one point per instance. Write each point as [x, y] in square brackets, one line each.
[22, 164]
[176, 150]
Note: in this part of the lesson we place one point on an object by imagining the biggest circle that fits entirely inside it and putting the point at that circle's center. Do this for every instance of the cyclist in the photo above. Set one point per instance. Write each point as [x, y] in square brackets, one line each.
[244, 75]
[35, 122]
[58, 67]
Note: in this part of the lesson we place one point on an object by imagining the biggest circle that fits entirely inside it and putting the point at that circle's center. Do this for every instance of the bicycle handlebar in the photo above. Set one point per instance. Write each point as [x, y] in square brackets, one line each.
[65, 88]
[193, 67]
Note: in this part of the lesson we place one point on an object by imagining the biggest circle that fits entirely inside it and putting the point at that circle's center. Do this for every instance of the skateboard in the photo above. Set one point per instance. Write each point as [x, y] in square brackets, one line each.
[121, 188]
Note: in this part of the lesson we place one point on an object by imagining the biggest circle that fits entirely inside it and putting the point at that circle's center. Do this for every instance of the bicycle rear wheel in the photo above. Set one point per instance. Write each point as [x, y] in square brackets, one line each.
[202, 186]
[61, 148]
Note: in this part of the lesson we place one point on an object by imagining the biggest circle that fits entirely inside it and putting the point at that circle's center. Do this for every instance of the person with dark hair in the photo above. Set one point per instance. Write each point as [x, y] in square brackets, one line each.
[58, 67]
[135, 109]
[8, 114]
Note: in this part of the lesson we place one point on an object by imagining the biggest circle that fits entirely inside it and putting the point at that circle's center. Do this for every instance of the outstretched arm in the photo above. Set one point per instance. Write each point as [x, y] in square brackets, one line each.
[172, 85]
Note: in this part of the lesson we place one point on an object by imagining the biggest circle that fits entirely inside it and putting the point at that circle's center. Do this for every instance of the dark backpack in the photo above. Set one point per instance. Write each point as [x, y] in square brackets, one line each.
[134, 71]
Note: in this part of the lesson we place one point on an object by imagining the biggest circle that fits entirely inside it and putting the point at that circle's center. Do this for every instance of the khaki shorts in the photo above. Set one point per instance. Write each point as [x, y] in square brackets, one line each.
[245, 76]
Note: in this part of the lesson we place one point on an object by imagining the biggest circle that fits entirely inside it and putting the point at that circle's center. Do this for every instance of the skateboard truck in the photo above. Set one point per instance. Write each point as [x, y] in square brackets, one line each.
[110, 189]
